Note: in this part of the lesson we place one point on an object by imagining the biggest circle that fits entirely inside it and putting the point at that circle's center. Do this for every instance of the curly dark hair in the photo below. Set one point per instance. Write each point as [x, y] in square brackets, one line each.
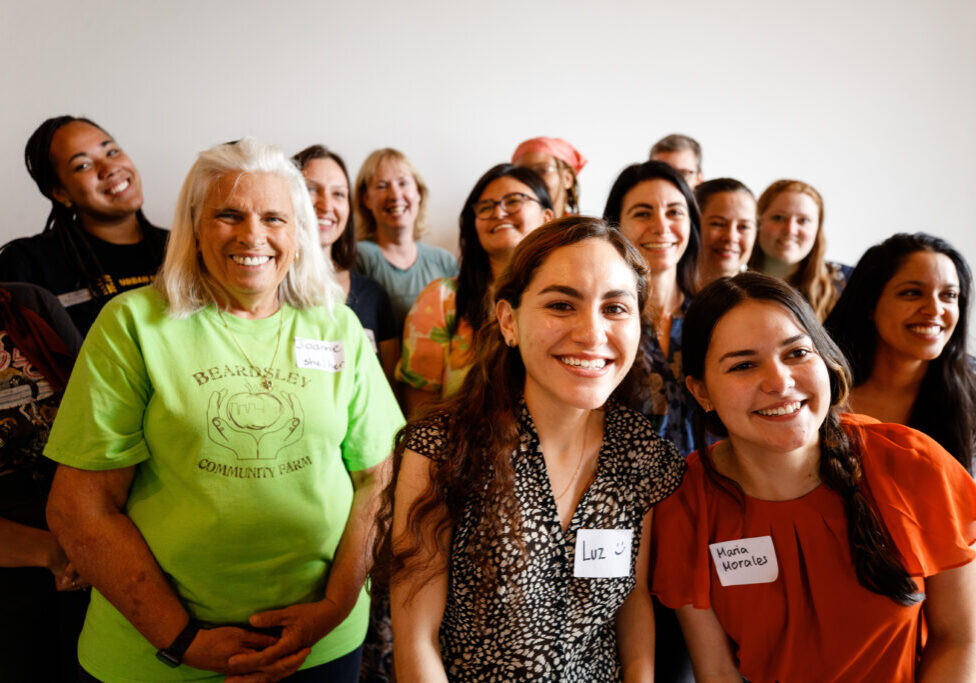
[945, 407]
[480, 423]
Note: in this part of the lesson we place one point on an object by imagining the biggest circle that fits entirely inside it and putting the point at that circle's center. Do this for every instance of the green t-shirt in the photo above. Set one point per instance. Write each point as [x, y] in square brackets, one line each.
[241, 492]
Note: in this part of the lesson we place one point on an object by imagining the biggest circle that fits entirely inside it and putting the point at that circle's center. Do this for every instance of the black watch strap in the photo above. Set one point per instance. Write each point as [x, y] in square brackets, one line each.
[173, 655]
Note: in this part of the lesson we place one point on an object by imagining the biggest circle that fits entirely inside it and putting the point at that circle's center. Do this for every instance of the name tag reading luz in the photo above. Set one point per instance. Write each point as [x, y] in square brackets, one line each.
[602, 553]
[745, 561]
[327, 356]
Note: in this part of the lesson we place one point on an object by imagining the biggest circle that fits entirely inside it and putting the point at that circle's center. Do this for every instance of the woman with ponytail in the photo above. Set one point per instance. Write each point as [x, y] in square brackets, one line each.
[807, 545]
[96, 242]
[505, 491]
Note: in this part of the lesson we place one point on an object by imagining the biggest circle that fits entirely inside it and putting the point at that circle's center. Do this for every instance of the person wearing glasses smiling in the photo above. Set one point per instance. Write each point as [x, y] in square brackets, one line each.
[507, 203]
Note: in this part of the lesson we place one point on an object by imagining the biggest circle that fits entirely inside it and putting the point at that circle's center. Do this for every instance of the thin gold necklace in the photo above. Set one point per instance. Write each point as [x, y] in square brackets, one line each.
[265, 378]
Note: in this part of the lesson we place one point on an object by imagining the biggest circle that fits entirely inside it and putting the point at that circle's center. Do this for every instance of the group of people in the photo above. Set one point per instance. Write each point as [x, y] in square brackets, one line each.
[678, 412]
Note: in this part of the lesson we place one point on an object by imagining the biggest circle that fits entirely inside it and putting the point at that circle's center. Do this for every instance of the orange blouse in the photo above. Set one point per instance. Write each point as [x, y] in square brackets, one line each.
[815, 622]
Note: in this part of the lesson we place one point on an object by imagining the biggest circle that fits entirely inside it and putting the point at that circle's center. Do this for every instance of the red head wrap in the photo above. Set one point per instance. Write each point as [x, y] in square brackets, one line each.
[556, 147]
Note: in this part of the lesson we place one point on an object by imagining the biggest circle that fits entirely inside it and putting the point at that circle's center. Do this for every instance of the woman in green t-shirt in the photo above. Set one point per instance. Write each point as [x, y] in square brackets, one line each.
[222, 441]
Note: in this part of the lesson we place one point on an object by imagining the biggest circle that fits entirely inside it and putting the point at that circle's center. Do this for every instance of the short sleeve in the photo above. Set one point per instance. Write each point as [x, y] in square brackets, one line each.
[110, 372]
[427, 337]
[679, 544]
[926, 499]
[656, 467]
[428, 437]
[373, 412]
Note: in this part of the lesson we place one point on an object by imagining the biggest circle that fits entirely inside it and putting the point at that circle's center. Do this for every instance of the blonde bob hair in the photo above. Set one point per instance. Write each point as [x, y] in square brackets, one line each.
[365, 220]
[183, 279]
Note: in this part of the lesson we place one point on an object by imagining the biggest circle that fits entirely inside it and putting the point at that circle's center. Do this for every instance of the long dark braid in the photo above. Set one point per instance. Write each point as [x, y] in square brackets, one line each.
[62, 221]
[875, 558]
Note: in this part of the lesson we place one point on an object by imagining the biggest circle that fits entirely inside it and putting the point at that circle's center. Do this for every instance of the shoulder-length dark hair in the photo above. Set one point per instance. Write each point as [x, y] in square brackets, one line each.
[474, 277]
[876, 563]
[480, 424]
[813, 277]
[945, 407]
[343, 249]
[63, 221]
[635, 174]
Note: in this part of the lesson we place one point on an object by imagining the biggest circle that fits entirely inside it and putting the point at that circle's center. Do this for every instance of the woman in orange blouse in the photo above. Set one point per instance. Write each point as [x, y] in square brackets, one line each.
[801, 547]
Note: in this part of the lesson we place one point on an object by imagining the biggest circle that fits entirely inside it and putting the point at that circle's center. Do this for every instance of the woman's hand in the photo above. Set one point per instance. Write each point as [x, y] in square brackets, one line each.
[302, 626]
[212, 649]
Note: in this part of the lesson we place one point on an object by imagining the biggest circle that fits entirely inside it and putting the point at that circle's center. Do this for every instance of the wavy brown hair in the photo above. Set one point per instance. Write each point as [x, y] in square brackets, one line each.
[875, 557]
[480, 427]
[812, 277]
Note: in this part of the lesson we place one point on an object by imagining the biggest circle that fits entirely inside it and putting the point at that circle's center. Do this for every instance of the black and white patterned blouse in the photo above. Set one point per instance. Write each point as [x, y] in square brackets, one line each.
[562, 627]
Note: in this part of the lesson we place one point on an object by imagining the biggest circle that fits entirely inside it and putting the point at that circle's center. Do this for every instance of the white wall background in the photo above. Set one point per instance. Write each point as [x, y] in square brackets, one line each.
[872, 102]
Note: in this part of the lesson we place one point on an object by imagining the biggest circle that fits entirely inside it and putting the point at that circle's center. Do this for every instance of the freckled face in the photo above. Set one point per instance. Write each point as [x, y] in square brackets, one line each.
[577, 326]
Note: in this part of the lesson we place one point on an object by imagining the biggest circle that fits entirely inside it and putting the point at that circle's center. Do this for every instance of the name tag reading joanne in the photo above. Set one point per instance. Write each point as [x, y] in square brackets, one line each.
[602, 553]
[745, 561]
[328, 356]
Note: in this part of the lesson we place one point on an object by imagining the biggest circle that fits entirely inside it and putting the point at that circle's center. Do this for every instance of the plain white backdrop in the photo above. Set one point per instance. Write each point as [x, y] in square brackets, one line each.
[872, 102]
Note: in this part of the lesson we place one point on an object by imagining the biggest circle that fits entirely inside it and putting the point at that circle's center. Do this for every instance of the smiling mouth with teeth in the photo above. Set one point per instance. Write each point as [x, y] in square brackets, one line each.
[250, 260]
[119, 188]
[594, 364]
[787, 409]
[926, 330]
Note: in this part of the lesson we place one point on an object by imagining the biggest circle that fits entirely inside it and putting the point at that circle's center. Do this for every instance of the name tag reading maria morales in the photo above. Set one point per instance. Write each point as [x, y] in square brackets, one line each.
[745, 561]
[328, 356]
[602, 553]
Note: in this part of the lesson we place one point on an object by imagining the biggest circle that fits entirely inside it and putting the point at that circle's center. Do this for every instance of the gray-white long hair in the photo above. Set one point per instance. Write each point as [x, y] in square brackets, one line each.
[183, 280]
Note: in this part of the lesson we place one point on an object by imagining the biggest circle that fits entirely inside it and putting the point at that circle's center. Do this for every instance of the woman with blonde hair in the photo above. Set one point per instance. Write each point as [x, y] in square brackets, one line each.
[792, 245]
[391, 216]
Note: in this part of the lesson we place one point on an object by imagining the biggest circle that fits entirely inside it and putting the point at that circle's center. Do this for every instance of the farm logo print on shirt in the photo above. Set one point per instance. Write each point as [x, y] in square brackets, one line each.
[254, 425]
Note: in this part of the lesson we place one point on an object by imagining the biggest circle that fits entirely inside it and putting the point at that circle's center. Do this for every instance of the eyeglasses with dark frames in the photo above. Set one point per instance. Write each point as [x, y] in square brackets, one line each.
[511, 203]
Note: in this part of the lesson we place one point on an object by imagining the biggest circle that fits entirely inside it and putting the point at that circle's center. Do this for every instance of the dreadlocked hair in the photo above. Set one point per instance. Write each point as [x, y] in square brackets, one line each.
[62, 221]
[876, 560]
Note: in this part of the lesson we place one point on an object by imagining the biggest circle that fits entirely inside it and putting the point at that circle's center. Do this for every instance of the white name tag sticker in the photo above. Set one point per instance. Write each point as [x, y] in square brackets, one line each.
[372, 339]
[79, 296]
[602, 553]
[745, 561]
[327, 356]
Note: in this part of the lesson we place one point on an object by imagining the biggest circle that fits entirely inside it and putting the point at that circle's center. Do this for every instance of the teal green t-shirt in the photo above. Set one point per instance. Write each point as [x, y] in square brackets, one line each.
[242, 492]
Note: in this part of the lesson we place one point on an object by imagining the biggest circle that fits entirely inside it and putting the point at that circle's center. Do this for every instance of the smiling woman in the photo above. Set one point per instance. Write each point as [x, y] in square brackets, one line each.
[96, 242]
[211, 466]
[792, 244]
[505, 493]
[391, 213]
[506, 204]
[837, 525]
[903, 322]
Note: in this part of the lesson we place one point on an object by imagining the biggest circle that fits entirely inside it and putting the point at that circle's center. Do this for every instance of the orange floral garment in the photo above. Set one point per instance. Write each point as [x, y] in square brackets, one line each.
[436, 350]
